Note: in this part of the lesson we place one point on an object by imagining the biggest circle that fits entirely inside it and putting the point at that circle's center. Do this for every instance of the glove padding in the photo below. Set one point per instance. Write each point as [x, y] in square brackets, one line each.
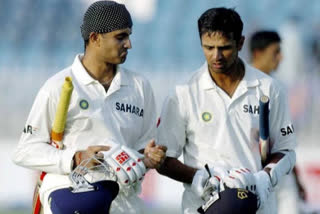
[126, 163]
[264, 187]
[241, 178]
[258, 183]
[203, 185]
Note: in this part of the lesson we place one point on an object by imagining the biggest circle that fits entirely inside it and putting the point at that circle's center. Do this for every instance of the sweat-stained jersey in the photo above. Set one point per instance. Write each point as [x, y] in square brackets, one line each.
[125, 114]
[200, 121]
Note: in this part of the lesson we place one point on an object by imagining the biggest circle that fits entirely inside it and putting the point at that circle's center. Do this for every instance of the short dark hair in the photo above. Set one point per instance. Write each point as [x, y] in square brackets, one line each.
[221, 19]
[262, 39]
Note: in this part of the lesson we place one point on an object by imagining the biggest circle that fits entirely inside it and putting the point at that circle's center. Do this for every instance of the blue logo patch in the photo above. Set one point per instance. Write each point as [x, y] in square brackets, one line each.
[84, 104]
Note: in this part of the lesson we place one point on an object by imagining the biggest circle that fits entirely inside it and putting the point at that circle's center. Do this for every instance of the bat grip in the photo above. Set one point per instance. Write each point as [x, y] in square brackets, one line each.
[264, 120]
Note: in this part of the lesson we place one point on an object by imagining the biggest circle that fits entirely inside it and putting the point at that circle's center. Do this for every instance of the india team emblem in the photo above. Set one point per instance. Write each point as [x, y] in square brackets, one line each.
[84, 104]
[206, 116]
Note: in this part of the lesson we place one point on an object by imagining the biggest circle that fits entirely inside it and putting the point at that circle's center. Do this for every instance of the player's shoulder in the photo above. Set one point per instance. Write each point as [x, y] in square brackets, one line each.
[135, 79]
[255, 73]
[181, 89]
[266, 82]
[191, 86]
[279, 84]
[133, 75]
[197, 74]
[50, 86]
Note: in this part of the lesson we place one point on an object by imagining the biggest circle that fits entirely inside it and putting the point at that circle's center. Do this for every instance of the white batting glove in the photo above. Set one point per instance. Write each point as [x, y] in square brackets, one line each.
[126, 163]
[203, 185]
[258, 183]
[264, 186]
[241, 178]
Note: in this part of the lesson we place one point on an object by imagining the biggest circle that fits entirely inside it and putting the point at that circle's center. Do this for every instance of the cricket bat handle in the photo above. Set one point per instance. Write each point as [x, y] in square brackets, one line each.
[59, 123]
[264, 135]
[57, 132]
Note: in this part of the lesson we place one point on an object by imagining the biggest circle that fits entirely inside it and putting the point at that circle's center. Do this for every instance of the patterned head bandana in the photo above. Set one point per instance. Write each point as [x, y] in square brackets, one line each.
[105, 17]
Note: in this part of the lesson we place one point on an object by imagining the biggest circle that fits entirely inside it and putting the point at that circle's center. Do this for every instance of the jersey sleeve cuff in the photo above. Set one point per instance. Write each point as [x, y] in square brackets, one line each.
[67, 161]
[289, 144]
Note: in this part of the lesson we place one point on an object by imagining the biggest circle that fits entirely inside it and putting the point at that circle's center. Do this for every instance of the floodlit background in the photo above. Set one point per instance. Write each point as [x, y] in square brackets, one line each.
[40, 37]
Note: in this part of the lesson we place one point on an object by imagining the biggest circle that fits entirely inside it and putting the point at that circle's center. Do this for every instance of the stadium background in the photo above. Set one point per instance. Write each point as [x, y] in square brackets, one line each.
[39, 38]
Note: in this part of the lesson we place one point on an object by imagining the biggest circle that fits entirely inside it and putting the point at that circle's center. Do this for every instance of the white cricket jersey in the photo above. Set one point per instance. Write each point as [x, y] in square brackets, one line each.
[201, 121]
[125, 114]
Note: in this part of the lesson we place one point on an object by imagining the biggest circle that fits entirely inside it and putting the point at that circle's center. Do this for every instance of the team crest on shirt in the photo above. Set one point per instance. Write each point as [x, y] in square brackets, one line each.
[84, 104]
[206, 116]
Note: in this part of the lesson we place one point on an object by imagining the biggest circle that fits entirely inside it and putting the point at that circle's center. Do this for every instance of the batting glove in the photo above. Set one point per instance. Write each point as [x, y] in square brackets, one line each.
[264, 187]
[207, 181]
[241, 178]
[127, 165]
[258, 183]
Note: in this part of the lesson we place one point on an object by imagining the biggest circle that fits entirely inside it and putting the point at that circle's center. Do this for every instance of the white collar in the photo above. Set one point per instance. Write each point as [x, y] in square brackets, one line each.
[82, 75]
[249, 80]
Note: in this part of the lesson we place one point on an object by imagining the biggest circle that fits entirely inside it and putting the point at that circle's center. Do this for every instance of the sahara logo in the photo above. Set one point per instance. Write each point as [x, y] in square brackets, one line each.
[125, 107]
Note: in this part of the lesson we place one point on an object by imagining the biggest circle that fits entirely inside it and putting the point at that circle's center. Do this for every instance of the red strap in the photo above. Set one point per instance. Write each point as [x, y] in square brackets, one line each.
[37, 206]
[42, 176]
[217, 178]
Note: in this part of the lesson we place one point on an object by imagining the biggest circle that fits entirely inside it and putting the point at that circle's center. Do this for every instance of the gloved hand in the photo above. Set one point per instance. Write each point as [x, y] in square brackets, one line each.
[203, 185]
[241, 178]
[264, 186]
[126, 163]
[258, 183]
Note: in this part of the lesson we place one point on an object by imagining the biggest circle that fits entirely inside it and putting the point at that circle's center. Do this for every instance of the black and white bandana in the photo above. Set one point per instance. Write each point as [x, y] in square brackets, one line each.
[105, 17]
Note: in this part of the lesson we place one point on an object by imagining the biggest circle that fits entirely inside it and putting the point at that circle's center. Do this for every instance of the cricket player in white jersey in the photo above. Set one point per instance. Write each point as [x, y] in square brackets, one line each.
[214, 118]
[109, 104]
[265, 49]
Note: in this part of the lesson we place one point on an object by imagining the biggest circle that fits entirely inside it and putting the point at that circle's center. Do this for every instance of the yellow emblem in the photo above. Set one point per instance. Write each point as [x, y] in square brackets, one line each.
[206, 116]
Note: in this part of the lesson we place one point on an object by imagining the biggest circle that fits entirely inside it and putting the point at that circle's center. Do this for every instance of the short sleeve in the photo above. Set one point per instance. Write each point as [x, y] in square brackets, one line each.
[149, 118]
[282, 131]
[172, 126]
